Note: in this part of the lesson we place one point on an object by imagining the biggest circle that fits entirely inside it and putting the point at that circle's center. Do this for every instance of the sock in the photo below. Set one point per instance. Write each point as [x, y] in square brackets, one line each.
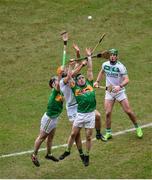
[98, 131]
[108, 130]
[68, 149]
[35, 153]
[136, 125]
[80, 151]
[87, 153]
[49, 154]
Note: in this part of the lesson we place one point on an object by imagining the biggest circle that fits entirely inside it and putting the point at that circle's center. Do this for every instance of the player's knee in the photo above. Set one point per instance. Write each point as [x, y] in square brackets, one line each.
[108, 113]
[128, 111]
[88, 137]
[98, 116]
[73, 135]
[41, 138]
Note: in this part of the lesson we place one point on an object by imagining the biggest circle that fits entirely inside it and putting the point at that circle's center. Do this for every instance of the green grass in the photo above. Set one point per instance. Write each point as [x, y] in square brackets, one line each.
[30, 52]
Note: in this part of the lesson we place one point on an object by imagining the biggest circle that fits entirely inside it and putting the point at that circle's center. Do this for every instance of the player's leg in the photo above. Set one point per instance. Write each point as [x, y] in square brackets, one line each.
[49, 141]
[108, 105]
[89, 120]
[75, 131]
[79, 145]
[42, 136]
[127, 109]
[72, 112]
[88, 132]
[98, 126]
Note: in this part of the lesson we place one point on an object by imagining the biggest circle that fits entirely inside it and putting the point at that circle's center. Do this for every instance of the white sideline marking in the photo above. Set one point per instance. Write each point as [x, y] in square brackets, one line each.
[64, 145]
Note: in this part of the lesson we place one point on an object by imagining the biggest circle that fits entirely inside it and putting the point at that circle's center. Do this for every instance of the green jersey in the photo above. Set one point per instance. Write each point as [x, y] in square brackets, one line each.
[85, 97]
[55, 104]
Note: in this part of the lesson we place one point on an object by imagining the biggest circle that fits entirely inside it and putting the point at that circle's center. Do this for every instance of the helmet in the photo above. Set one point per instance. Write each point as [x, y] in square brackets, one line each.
[113, 51]
[76, 77]
[52, 80]
[61, 71]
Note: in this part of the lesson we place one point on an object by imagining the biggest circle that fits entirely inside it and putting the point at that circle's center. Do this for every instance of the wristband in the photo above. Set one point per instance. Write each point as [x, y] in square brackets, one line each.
[65, 42]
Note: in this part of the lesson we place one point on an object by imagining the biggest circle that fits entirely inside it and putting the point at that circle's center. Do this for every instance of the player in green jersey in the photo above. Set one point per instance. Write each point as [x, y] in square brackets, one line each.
[85, 97]
[49, 122]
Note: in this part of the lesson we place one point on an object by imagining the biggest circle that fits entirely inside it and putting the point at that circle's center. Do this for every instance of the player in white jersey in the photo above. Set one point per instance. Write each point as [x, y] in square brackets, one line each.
[71, 104]
[116, 75]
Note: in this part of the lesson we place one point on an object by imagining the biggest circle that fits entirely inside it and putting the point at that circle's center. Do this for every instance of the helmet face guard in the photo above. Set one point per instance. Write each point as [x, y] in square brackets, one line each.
[52, 80]
[78, 76]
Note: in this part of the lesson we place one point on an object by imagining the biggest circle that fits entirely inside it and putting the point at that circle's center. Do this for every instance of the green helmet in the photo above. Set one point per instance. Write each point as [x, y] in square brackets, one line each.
[113, 51]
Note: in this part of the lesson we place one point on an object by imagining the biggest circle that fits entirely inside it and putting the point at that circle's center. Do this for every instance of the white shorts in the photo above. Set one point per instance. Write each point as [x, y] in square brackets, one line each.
[47, 123]
[86, 120]
[72, 112]
[116, 96]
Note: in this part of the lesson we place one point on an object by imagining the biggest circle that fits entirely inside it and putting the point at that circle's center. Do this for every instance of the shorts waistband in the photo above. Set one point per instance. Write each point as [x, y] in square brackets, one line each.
[72, 105]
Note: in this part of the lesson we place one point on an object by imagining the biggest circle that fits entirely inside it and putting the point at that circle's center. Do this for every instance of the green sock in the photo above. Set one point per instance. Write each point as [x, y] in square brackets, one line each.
[68, 149]
[87, 153]
[80, 151]
[108, 130]
[98, 131]
[35, 153]
[136, 125]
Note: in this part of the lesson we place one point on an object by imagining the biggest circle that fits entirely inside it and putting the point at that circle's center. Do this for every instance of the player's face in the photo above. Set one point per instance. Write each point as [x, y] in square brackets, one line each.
[113, 57]
[55, 83]
[81, 80]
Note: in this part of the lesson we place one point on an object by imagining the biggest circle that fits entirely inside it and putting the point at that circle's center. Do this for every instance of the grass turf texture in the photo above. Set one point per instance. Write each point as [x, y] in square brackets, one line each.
[31, 50]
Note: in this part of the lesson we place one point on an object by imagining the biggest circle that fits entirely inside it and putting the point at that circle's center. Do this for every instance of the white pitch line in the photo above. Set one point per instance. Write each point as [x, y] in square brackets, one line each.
[64, 145]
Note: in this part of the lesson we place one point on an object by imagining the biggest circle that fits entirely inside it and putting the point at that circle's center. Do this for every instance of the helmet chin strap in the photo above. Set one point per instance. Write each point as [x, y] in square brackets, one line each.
[113, 62]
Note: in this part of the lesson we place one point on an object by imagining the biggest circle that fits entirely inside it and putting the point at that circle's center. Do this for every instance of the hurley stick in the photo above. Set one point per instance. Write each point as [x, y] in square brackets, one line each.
[65, 40]
[109, 88]
[98, 43]
[93, 56]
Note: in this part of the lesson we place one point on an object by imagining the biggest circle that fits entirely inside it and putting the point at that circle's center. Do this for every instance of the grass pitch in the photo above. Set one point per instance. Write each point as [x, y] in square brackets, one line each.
[30, 52]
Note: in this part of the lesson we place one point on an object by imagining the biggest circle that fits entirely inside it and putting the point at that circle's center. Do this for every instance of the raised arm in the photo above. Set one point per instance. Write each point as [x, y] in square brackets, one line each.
[78, 68]
[89, 64]
[75, 46]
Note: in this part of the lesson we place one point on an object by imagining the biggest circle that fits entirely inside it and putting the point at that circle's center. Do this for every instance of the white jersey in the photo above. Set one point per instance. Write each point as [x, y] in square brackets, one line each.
[114, 73]
[71, 104]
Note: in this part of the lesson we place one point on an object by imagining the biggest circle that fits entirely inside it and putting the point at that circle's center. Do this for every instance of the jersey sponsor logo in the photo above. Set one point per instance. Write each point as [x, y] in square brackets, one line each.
[110, 74]
[111, 71]
[59, 98]
[83, 91]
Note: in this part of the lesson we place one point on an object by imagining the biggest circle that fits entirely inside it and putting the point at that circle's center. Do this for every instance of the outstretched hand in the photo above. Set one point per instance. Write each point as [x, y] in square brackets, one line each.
[75, 46]
[88, 51]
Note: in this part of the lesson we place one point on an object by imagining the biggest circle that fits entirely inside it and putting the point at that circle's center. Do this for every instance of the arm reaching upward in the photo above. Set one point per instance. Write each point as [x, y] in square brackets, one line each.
[89, 65]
